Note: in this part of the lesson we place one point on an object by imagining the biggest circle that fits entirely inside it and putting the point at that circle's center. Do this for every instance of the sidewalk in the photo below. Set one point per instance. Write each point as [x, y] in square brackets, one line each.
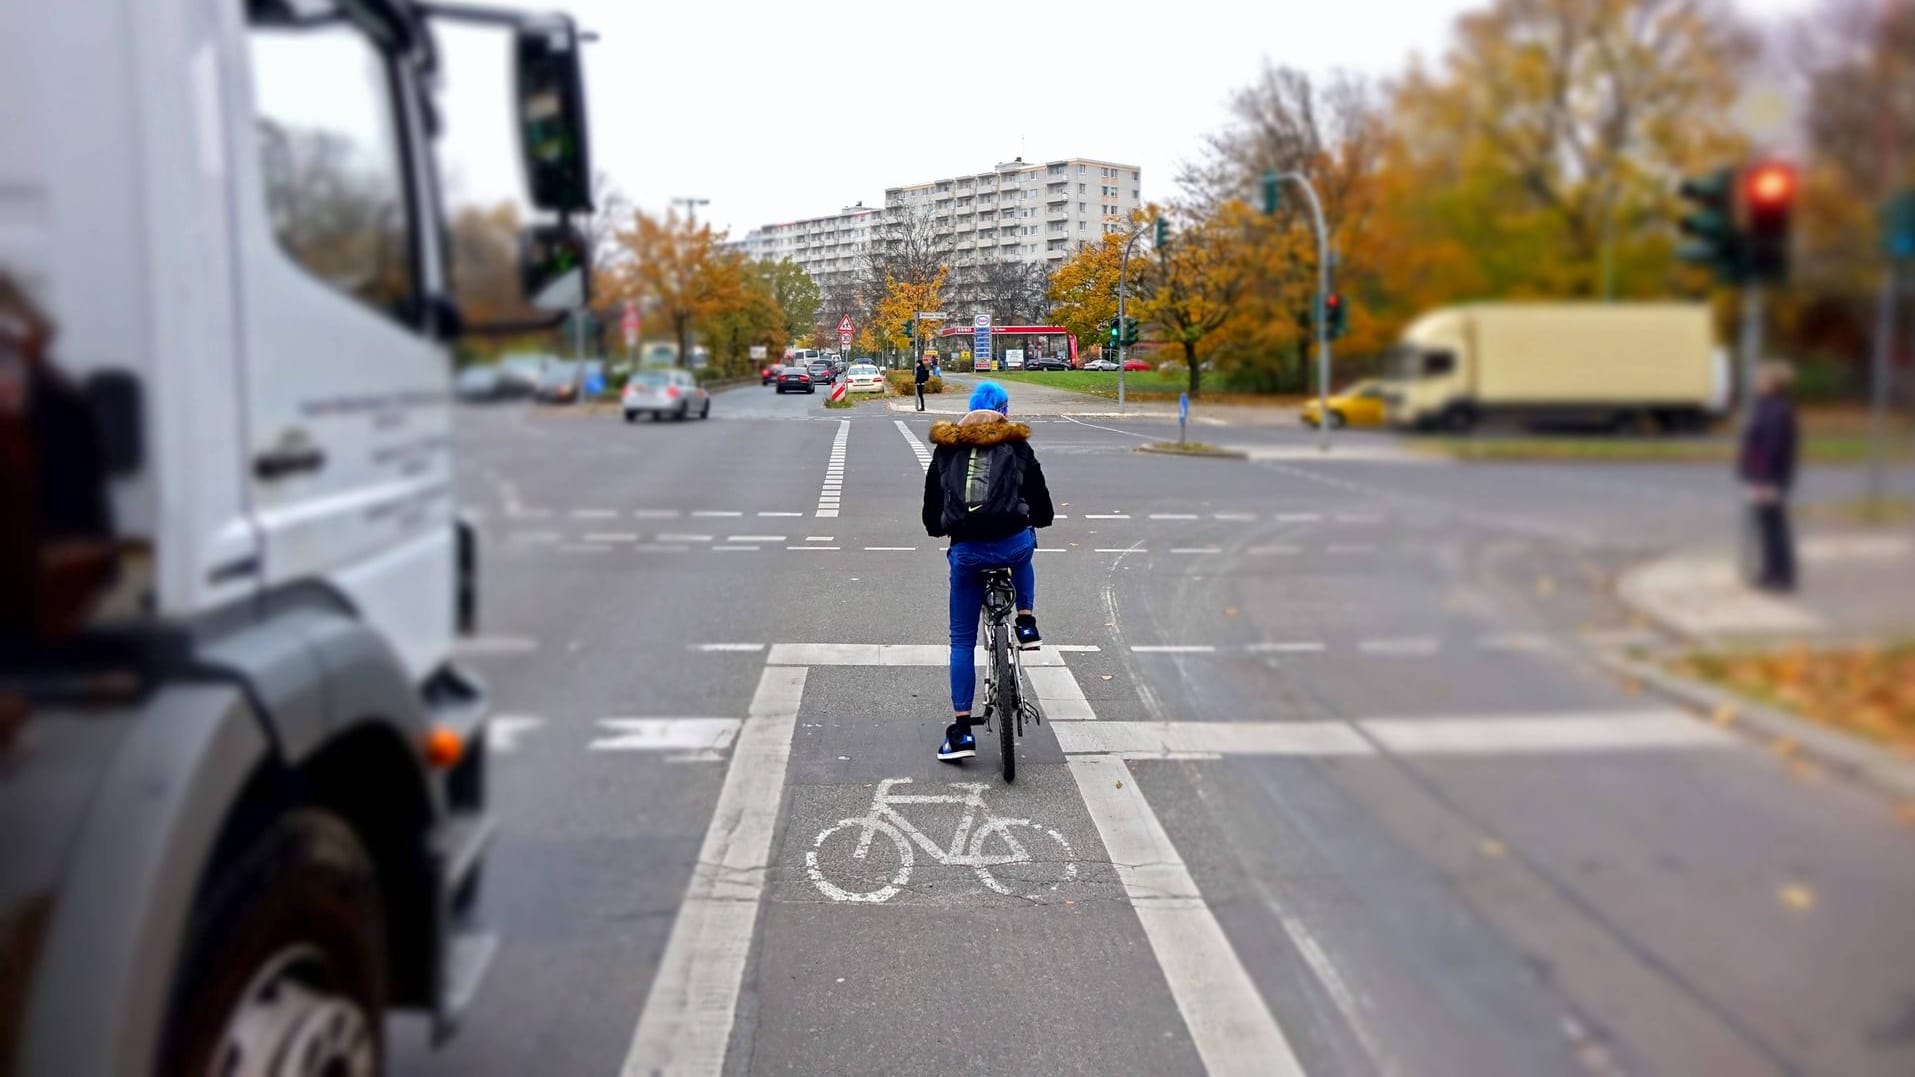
[1856, 585]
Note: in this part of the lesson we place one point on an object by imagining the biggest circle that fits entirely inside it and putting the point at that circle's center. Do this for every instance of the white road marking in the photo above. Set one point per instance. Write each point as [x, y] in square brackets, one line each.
[713, 512]
[918, 448]
[1120, 549]
[754, 538]
[655, 514]
[686, 1024]
[820, 538]
[811, 547]
[889, 654]
[684, 538]
[1590, 732]
[1051, 549]
[697, 738]
[1074, 648]
[1298, 517]
[1195, 549]
[1155, 739]
[1273, 551]
[1173, 515]
[1233, 516]
[1172, 648]
[891, 549]
[734, 549]
[1414, 645]
[472, 646]
[1298, 647]
[1232, 1029]
[502, 731]
[781, 514]
[742, 648]
[1107, 516]
[611, 536]
[828, 504]
[593, 514]
[1058, 694]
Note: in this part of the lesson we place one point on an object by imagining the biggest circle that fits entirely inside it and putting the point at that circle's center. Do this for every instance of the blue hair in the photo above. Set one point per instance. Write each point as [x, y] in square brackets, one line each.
[990, 396]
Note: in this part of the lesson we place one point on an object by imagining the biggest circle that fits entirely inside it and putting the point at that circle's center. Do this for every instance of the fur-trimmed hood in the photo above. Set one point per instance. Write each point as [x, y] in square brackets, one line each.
[980, 428]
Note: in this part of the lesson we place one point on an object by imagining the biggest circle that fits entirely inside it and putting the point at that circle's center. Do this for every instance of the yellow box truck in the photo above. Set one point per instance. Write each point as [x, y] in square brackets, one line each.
[1629, 365]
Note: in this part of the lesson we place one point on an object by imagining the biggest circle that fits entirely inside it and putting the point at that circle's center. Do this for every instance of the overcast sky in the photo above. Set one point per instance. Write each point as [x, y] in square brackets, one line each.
[784, 111]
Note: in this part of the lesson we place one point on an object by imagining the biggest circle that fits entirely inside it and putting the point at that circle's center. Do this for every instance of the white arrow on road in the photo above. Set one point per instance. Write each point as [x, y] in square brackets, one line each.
[695, 739]
[503, 731]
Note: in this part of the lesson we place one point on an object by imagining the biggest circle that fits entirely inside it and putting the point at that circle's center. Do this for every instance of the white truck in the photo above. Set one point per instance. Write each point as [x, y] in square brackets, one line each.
[242, 783]
[1624, 365]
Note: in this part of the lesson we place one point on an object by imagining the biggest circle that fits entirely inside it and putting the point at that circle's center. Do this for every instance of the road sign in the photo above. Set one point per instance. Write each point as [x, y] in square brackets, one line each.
[844, 338]
[837, 391]
[629, 323]
[982, 321]
[933, 316]
[845, 326]
[758, 351]
[1183, 415]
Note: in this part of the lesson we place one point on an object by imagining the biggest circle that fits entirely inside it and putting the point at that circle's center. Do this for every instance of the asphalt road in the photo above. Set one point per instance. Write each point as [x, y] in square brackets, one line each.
[1329, 782]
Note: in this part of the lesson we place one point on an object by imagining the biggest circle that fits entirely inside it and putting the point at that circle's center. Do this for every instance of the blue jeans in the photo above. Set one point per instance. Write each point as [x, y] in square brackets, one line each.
[968, 562]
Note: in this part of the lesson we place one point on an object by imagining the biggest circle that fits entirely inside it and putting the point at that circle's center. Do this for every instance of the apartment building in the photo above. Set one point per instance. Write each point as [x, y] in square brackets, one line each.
[1023, 211]
[830, 248]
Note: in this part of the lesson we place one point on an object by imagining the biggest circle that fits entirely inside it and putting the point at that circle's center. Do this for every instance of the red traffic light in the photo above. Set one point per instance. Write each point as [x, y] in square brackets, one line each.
[1770, 185]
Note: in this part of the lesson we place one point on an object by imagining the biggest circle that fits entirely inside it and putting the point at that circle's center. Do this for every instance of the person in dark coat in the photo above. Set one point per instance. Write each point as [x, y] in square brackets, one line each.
[985, 491]
[1766, 467]
[923, 375]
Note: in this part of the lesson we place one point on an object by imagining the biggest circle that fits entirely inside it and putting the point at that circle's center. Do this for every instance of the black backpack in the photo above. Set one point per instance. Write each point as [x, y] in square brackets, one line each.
[983, 486]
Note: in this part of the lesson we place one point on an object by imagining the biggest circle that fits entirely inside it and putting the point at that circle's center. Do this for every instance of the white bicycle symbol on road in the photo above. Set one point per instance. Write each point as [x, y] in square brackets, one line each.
[995, 842]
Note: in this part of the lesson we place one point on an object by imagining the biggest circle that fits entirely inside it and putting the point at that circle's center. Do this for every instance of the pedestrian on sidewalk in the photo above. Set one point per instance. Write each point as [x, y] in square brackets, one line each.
[923, 375]
[1766, 467]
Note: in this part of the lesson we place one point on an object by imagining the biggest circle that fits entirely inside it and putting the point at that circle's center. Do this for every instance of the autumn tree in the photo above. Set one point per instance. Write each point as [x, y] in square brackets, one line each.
[753, 315]
[899, 307]
[795, 293]
[1194, 285]
[1083, 287]
[679, 268]
[1548, 139]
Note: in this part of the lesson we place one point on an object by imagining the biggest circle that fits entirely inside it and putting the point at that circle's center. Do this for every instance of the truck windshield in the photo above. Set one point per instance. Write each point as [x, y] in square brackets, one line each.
[1406, 362]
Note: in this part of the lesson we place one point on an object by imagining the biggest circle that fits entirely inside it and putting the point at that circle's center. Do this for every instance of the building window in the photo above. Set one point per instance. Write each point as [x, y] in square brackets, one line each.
[1080, 170]
[1083, 226]
[1080, 207]
[1133, 194]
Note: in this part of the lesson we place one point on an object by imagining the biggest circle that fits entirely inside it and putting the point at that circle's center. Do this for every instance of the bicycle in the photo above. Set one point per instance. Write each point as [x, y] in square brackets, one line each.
[1002, 695]
[995, 843]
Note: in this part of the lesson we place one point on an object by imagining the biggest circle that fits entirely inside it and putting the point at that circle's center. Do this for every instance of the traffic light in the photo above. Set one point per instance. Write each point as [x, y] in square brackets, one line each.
[911, 331]
[1711, 222]
[1130, 332]
[1336, 315]
[1768, 199]
[1112, 337]
[1898, 227]
[1270, 199]
[1163, 232]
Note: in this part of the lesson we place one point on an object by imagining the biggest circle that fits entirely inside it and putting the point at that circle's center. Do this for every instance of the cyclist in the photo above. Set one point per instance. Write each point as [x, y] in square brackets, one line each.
[985, 490]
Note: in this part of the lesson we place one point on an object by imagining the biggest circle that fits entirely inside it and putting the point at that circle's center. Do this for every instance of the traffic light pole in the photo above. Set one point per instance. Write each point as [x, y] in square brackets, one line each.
[1123, 281]
[1878, 388]
[1751, 345]
[1322, 308]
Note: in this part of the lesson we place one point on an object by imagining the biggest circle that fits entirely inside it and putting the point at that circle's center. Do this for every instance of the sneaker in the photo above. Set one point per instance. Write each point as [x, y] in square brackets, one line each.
[957, 745]
[1027, 637]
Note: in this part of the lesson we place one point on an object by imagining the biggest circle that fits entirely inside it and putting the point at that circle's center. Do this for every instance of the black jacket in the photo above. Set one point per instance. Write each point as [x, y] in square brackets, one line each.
[923, 373]
[1768, 445]
[978, 429]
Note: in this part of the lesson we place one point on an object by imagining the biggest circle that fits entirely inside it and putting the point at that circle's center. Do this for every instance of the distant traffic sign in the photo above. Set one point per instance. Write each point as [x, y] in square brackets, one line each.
[844, 324]
[629, 323]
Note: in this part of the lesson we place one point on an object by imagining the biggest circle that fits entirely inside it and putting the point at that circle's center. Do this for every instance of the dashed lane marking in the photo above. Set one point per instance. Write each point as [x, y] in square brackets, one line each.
[918, 448]
[656, 514]
[715, 512]
[741, 648]
[594, 514]
[828, 502]
[474, 646]
[611, 536]
[891, 549]
[754, 538]
[691, 739]
[1195, 549]
[1293, 647]
[812, 547]
[781, 514]
[1420, 645]
[1173, 515]
[1173, 648]
[684, 538]
[502, 731]
[1107, 516]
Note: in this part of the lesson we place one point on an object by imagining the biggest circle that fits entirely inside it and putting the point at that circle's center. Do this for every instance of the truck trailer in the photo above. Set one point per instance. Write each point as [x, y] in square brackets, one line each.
[1622, 365]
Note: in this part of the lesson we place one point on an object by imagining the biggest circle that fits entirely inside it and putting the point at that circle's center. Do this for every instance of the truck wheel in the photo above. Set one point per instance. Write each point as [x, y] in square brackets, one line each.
[1337, 420]
[1459, 419]
[631, 416]
[286, 959]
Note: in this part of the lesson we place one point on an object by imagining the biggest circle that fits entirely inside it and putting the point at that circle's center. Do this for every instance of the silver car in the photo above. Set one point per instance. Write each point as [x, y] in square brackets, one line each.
[665, 392]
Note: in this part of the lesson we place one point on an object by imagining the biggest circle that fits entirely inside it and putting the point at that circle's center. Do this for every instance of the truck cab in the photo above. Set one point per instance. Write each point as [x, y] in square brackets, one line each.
[242, 781]
[1427, 372]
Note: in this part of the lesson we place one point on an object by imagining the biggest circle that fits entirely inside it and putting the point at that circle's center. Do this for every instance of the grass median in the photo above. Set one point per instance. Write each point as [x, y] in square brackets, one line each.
[1826, 448]
[1867, 691]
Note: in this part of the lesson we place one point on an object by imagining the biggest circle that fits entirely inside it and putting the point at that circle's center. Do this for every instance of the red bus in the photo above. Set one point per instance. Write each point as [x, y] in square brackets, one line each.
[1016, 345]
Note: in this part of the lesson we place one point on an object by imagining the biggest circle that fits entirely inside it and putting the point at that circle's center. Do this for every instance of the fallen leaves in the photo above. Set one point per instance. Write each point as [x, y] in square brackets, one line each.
[1868, 691]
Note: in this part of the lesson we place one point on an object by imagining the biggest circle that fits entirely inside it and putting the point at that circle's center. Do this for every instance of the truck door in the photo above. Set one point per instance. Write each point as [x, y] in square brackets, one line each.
[346, 397]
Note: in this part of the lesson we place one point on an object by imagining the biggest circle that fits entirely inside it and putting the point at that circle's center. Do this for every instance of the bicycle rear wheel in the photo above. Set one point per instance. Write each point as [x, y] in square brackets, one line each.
[1004, 678]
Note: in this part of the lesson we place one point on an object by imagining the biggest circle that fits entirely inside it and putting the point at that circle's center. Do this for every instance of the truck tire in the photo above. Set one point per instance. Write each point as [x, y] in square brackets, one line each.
[1459, 419]
[285, 958]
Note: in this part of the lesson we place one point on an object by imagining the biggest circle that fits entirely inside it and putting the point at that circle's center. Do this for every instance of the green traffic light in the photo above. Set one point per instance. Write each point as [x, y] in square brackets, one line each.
[1270, 198]
[1163, 232]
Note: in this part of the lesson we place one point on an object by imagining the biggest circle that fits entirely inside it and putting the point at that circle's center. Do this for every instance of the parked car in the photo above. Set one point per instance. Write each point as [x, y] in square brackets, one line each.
[1362, 404]
[479, 384]
[1136, 364]
[558, 384]
[519, 375]
[768, 373]
[1101, 364]
[1047, 362]
[659, 393]
[821, 370]
[864, 378]
[795, 379]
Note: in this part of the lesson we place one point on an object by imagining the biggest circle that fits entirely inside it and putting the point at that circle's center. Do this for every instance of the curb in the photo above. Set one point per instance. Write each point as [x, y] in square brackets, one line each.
[1214, 454]
[1839, 751]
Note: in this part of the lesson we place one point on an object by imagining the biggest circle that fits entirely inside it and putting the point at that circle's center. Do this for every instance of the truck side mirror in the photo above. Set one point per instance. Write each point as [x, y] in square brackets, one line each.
[551, 106]
[554, 270]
